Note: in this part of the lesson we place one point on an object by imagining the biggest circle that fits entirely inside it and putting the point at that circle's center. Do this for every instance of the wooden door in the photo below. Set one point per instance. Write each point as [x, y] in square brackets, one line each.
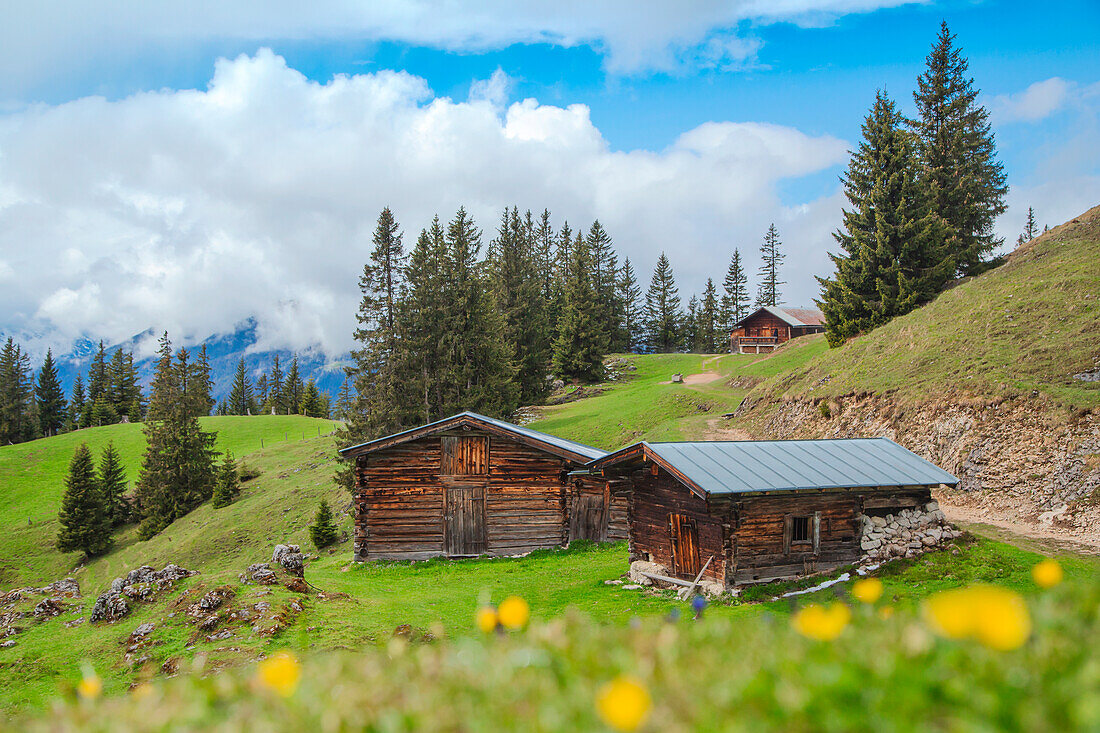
[684, 536]
[589, 520]
[464, 517]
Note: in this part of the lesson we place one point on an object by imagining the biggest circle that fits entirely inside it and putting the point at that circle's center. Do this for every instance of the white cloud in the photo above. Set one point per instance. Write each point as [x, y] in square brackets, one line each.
[46, 39]
[192, 210]
[1039, 101]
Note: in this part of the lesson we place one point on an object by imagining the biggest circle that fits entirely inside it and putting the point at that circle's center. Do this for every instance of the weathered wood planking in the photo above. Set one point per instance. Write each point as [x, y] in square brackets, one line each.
[468, 492]
[749, 535]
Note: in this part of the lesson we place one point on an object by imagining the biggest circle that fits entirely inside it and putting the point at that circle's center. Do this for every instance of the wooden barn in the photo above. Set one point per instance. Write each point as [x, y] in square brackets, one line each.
[771, 326]
[471, 485]
[761, 510]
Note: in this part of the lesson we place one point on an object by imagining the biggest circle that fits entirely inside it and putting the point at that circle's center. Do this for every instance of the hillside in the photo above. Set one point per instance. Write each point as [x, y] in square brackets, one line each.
[32, 481]
[1027, 326]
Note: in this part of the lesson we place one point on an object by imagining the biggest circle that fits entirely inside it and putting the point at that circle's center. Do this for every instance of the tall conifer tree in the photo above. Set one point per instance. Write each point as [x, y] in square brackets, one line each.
[710, 320]
[112, 482]
[85, 524]
[955, 144]
[578, 348]
[894, 256]
[735, 293]
[17, 419]
[293, 388]
[519, 299]
[629, 295]
[1031, 229]
[771, 259]
[241, 401]
[662, 308]
[50, 397]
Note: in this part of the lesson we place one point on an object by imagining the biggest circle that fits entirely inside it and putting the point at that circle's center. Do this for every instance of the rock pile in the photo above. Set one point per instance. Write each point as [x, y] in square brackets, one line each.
[139, 584]
[905, 534]
[638, 580]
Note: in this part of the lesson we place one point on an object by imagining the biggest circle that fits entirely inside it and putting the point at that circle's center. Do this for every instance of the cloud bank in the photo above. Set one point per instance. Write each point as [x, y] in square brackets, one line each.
[192, 210]
[44, 40]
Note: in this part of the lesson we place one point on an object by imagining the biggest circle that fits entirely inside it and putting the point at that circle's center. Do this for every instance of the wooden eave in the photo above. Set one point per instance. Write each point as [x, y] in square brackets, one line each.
[458, 421]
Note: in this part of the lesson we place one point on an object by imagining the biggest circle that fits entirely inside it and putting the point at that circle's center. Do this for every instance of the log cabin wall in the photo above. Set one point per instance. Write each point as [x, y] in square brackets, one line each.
[765, 542]
[401, 510]
[656, 498]
[598, 509]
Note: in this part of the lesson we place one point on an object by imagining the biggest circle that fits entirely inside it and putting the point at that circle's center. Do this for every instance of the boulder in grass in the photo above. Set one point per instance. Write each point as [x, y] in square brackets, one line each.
[48, 608]
[110, 606]
[281, 550]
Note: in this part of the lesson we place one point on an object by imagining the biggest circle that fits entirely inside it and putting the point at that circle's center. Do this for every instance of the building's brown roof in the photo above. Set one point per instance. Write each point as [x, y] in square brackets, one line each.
[792, 316]
[809, 316]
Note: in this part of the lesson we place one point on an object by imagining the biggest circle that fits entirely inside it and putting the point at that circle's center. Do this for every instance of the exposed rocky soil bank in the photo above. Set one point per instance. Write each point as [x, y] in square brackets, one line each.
[1020, 462]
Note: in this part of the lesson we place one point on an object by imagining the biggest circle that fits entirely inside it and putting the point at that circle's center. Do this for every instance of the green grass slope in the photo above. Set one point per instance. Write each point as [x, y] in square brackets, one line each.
[32, 481]
[645, 405]
[1026, 326]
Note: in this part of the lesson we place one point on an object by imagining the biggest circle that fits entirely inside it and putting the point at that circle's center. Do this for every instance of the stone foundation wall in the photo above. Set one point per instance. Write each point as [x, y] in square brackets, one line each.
[905, 534]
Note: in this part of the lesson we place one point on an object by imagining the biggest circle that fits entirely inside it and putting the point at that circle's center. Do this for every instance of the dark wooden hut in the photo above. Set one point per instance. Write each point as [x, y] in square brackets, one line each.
[767, 328]
[472, 485]
[761, 510]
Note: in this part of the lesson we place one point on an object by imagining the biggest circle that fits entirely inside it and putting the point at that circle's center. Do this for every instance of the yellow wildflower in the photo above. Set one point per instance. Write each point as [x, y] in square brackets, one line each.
[996, 617]
[280, 672]
[487, 618]
[886, 612]
[623, 703]
[823, 623]
[514, 612]
[867, 590]
[90, 686]
[1047, 573]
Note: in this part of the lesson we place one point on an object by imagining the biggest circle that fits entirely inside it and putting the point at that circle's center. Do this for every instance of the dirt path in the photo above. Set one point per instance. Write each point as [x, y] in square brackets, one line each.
[719, 428]
[1034, 537]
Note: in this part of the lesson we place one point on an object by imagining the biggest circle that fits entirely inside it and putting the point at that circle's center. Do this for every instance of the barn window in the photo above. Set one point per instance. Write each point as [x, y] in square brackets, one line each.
[464, 455]
[800, 529]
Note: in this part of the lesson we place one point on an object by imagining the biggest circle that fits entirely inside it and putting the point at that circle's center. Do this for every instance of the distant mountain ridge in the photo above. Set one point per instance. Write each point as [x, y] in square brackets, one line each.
[223, 351]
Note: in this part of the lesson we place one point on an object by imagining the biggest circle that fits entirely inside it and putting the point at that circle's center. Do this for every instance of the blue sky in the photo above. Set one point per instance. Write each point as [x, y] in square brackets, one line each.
[663, 91]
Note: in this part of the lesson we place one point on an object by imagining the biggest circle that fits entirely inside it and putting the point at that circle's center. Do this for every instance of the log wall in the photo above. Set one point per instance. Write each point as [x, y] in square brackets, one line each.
[400, 511]
[654, 499]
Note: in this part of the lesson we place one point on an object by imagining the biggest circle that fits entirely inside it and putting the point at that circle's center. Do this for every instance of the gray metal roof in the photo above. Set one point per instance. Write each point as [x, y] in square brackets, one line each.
[723, 468]
[566, 445]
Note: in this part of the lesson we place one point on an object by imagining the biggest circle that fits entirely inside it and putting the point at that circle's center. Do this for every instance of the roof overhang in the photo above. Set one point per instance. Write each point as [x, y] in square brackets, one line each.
[643, 453]
[467, 420]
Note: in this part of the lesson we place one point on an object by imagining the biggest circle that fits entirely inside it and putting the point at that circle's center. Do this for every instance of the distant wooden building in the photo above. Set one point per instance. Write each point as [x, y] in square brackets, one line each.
[471, 485]
[761, 510]
[769, 327]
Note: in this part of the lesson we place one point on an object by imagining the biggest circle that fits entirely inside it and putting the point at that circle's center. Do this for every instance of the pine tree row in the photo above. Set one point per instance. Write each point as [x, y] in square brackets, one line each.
[274, 393]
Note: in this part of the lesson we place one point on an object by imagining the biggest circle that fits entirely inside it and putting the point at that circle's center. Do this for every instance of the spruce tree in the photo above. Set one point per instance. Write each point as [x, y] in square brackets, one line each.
[894, 257]
[228, 486]
[98, 381]
[276, 400]
[629, 295]
[323, 531]
[261, 392]
[293, 388]
[771, 260]
[662, 309]
[735, 293]
[605, 270]
[376, 358]
[518, 292]
[691, 338]
[313, 403]
[50, 398]
[958, 154]
[710, 331]
[241, 399]
[344, 401]
[17, 420]
[546, 264]
[76, 405]
[178, 471]
[85, 524]
[1031, 229]
[201, 385]
[112, 482]
[479, 374]
[578, 348]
